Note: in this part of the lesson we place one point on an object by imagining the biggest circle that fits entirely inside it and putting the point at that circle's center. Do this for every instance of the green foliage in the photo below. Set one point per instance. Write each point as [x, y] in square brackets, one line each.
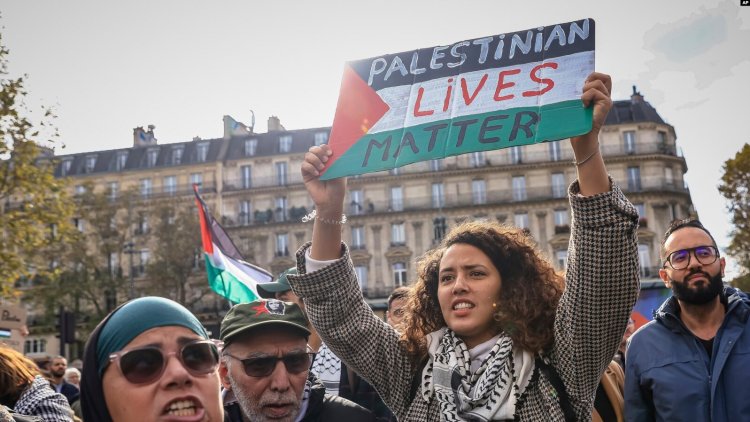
[35, 209]
[735, 186]
[742, 282]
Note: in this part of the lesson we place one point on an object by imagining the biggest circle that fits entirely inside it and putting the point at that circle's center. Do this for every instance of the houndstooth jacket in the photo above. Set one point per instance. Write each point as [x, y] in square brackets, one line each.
[602, 284]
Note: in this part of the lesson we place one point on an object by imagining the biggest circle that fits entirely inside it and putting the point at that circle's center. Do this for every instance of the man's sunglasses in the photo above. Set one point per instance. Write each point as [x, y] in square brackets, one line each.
[146, 364]
[260, 367]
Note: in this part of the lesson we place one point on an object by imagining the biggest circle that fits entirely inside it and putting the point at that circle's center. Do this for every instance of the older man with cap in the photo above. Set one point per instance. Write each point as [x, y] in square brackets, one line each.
[266, 364]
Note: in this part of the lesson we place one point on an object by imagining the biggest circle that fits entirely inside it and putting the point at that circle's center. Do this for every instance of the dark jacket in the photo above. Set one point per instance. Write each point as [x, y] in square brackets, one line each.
[322, 407]
[70, 392]
[364, 395]
[670, 377]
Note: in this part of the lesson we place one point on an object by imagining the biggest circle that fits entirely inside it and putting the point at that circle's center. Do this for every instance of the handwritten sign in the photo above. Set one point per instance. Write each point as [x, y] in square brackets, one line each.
[488, 93]
[12, 319]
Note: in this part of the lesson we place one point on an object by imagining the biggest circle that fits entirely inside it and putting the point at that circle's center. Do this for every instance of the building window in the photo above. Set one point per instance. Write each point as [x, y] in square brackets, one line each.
[641, 208]
[246, 177]
[65, 167]
[142, 224]
[285, 143]
[114, 189]
[438, 195]
[516, 155]
[394, 171]
[519, 188]
[321, 138]
[251, 145]
[281, 173]
[146, 188]
[521, 220]
[201, 152]
[561, 259]
[669, 176]
[361, 272]
[113, 262]
[35, 346]
[90, 163]
[78, 223]
[399, 274]
[358, 237]
[555, 153]
[477, 159]
[151, 155]
[561, 217]
[644, 258]
[170, 185]
[281, 208]
[80, 189]
[436, 165]
[144, 257]
[121, 160]
[634, 179]
[397, 198]
[196, 179]
[628, 139]
[177, 155]
[398, 234]
[439, 229]
[479, 191]
[558, 185]
[282, 244]
[356, 204]
[245, 212]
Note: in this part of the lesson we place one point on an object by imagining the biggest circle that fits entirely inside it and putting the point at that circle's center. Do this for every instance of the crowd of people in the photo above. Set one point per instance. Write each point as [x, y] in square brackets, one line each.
[488, 331]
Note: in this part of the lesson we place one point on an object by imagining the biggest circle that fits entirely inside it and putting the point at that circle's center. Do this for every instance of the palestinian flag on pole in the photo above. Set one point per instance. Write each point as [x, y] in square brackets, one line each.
[488, 93]
[228, 273]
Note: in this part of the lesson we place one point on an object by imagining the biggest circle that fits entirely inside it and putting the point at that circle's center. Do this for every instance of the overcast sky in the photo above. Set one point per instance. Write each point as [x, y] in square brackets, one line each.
[108, 67]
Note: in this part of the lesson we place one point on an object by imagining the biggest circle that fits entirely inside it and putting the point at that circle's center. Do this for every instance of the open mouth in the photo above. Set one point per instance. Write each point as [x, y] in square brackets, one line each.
[185, 407]
[463, 305]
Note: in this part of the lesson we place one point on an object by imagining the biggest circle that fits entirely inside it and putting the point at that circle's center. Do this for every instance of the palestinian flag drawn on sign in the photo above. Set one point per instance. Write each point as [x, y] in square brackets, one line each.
[228, 273]
[500, 91]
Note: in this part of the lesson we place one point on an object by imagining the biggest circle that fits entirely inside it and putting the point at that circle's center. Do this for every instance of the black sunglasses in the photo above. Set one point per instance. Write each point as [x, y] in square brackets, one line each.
[146, 364]
[260, 367]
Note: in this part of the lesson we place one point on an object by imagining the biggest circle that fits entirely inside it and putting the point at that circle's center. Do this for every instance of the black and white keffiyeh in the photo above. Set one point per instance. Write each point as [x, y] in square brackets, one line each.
[489, 393]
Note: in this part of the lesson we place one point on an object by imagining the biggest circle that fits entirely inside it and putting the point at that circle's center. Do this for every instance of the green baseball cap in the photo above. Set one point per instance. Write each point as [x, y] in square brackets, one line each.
[281, 284]
[263, 312]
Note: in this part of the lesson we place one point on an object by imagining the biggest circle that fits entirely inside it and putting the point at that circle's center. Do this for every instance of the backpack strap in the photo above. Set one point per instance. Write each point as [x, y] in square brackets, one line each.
[557, 383]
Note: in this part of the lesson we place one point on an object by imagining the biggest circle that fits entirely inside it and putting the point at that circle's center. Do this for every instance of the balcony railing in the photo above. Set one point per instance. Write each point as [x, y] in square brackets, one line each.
[239, 183]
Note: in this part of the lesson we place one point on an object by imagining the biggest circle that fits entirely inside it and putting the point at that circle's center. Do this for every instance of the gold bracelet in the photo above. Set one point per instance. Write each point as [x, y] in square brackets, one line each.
[582, 162]
[313, 215]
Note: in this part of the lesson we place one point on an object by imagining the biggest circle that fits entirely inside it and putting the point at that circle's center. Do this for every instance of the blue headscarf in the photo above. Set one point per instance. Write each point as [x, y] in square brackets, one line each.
[118, 329]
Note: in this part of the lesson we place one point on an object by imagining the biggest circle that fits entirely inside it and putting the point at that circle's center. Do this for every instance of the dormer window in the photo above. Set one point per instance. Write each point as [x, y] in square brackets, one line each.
[151, 156]
[321, 138]
[177, 155]
[65, 167]
[90, 163]
[285, 143]
[202, 152]
[251, 145]
[122, 158]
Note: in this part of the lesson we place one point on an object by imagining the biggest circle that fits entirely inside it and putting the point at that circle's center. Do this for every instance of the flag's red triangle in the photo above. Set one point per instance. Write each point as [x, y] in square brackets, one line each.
[358, 109]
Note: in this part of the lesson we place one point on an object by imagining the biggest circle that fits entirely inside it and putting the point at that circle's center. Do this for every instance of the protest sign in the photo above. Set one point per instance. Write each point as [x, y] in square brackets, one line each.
[12, 320]
[488, 93]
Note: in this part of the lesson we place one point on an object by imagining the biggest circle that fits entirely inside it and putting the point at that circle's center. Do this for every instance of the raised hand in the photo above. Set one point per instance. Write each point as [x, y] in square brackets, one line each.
[328, 195]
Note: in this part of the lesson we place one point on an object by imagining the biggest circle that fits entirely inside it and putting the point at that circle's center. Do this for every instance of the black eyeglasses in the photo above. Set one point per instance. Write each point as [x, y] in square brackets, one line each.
[679, 260]
[146, 364]
[260, 367]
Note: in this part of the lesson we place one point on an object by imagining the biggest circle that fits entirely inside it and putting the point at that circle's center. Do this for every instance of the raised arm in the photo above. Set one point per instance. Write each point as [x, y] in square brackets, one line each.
[592, 175]
[328, 197]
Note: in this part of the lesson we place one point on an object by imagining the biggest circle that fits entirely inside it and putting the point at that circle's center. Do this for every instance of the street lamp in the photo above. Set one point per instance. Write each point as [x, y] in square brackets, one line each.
[130, 250]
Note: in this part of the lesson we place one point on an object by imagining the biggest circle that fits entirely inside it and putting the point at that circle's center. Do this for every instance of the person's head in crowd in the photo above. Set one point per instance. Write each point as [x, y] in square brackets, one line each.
[397, 307]
[482, 279]
[73, 376]
[266, 359]
[691, 263]
[151, 360]
[629, 330]
[42, 364]
[17, 372]
[57, 367]
[280, 289]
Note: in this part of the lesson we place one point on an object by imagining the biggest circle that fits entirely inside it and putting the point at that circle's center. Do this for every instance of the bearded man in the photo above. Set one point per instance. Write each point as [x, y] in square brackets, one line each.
[692, 361]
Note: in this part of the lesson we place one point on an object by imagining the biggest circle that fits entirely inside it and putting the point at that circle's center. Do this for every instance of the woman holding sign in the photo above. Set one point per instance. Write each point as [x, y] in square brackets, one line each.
[492, 332]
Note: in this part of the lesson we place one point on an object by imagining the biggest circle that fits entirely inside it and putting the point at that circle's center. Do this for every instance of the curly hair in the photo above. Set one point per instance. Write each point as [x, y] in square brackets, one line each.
[529, 295]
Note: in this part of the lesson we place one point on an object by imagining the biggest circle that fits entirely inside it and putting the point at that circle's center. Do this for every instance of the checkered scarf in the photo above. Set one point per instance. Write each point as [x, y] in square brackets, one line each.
[490, 393]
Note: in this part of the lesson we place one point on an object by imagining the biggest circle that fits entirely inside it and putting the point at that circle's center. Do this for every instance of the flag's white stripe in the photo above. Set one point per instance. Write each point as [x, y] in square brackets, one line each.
[569, 78]
[244, 273]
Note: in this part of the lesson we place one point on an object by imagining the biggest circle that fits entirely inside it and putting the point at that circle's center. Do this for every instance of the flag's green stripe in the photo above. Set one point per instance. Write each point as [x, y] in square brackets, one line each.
[502, 129]
[225, 284]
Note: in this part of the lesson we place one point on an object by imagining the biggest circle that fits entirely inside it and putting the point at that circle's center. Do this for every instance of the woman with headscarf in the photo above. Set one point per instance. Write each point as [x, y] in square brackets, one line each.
[150, 360]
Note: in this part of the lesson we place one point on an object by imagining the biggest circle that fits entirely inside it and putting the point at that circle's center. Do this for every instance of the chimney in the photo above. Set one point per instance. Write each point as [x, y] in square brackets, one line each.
[143, 138]
[636, 97]
[274, 124]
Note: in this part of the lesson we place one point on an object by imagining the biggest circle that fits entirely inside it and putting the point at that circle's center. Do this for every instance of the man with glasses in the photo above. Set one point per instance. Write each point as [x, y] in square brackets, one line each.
[266, 365]
[692, 361]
